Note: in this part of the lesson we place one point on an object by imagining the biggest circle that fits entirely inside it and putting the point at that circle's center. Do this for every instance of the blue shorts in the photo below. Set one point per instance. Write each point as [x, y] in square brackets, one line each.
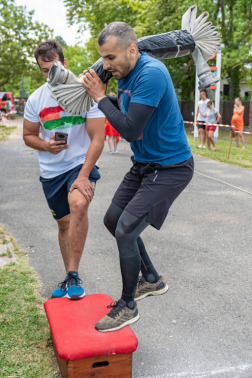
[57, 188]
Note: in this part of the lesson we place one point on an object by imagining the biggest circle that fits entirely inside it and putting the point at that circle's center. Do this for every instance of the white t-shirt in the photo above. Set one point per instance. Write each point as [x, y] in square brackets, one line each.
[202, 106]
[211, 115]
[8, 104]
[42, 108]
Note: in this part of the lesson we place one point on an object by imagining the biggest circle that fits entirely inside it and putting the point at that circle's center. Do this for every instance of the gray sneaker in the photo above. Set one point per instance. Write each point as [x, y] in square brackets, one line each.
[145, 288]
[119, 317]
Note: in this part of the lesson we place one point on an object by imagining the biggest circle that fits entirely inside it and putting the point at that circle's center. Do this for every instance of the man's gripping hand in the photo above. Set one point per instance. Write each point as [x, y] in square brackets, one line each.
[84, 186]
[94, 86]
[55, 147]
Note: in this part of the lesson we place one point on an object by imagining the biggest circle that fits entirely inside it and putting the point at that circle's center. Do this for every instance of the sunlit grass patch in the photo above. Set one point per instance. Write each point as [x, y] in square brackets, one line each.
[238, 156]
[5, 131]
[25, 345]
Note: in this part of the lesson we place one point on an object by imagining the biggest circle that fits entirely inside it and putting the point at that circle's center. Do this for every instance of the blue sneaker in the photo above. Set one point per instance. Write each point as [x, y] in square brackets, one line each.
[61, 291]
[75, 291]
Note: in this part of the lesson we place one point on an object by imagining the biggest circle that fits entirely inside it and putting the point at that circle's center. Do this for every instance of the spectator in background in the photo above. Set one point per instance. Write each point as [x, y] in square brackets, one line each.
[113, 135]
[211, 116]
[8, 108]
[237, 121]
[202, 108]
[68, 171]
[21, 106]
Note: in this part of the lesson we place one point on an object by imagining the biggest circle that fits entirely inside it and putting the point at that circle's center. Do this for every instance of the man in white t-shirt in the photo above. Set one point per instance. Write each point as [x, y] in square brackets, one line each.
[67, 170]
[202, 108]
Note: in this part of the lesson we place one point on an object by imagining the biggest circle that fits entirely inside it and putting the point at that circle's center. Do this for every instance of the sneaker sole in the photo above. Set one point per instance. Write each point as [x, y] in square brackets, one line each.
[131, 321]
[53, 296]
[152, 293]
[75, 296]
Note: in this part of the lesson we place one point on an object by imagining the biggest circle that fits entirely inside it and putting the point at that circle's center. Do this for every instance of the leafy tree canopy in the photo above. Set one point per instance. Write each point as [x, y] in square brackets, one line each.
[61, 41]
[19, 35]
[232, 18]
[77, 59]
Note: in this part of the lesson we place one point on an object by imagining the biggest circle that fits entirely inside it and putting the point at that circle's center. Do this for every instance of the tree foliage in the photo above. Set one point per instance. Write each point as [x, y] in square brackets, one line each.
[232, 18]
[61, 41]
[95, 15]
[156, 17]
[19, 35]
[77, 59]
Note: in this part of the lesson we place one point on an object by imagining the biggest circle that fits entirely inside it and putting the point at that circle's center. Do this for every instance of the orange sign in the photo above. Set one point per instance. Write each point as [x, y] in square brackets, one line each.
[214, 55]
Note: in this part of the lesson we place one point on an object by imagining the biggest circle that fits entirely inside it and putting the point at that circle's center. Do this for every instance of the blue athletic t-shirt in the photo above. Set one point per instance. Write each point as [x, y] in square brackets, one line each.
[163, 139]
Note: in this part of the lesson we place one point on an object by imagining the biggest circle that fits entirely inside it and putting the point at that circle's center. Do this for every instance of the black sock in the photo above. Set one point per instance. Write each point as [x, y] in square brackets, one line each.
[147, 268]
[150, 274]
[129, 299]
[72, 273]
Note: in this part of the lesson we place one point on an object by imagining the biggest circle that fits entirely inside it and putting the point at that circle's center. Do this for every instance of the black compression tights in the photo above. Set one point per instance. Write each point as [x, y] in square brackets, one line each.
[126, 228]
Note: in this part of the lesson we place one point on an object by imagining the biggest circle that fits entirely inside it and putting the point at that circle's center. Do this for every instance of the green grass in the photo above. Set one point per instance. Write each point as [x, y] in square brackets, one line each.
[238, 156]
[25, 345]
[9, 254]
[5, 131]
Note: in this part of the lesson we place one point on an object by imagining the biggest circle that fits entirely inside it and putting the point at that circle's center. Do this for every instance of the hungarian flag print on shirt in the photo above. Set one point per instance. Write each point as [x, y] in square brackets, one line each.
[42, 109]
[53, 119]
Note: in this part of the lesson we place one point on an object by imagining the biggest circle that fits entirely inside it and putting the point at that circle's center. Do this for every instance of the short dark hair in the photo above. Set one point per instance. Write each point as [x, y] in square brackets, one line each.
[210, 102]
[203, 91]
[123, 32]
[48, 50]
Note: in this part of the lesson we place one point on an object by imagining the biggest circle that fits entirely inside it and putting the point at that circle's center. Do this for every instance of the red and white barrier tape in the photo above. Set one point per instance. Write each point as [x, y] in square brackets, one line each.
[217, 124]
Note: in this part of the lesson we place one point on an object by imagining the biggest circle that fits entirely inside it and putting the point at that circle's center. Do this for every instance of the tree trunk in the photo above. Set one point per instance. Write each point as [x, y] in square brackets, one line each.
[235, 81]
[231, 88]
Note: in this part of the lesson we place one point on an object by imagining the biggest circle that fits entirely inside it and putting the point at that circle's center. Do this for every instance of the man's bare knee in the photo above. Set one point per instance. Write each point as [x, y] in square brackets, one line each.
[79, 206]
[63, 223]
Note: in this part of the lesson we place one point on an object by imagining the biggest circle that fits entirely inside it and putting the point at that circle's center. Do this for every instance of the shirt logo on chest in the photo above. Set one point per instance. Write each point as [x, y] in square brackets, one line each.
[53, 118]
[124, 99]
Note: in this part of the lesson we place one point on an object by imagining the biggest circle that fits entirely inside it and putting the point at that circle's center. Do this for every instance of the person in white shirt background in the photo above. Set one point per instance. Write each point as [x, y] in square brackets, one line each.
[211, 116]
[68, 170]
[202, 108]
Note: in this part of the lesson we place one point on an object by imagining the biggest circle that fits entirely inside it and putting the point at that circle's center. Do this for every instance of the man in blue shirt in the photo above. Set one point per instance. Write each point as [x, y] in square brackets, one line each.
[146, 113]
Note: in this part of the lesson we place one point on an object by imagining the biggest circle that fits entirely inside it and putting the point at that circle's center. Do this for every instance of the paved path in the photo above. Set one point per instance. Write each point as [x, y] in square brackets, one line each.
[202, 327]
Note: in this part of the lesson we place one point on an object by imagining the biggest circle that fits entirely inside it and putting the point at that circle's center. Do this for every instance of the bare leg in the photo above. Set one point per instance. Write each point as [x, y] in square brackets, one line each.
[202, 137]
[78, 228]
[110, 143]
[208, 140]
[211, 139]
[242, 139]
[115, 142]
[63, 224]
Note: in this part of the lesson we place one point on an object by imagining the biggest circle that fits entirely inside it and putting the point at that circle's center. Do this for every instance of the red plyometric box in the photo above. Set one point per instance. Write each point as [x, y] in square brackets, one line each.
[82, 351]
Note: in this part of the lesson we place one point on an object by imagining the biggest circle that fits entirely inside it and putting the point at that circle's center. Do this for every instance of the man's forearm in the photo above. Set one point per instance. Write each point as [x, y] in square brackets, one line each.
[36, 142]
[131, 125]
[114, 101]
[93, 154]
